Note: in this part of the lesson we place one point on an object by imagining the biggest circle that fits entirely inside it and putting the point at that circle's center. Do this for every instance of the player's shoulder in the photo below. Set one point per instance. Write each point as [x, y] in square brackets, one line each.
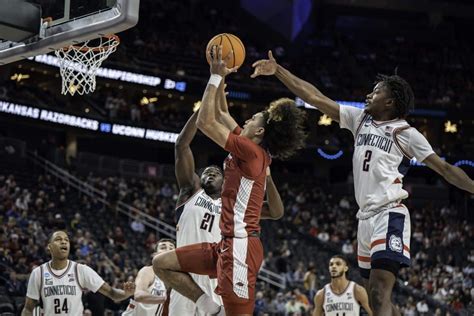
[407, 131]
[320, 293]
[146, 270]
[358, 289]
[81, 267]
[38, 269]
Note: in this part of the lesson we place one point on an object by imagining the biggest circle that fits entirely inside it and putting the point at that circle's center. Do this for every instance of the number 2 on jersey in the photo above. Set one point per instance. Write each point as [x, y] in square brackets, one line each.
[207, 222]
[368, 156]
[57, 306]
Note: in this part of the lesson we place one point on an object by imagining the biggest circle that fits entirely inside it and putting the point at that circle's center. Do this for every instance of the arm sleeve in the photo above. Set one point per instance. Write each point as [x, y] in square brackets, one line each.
[419, 147]
[350, 117]
[414, 144]
[242, 147]
[34, 284]
[251, 157]
[88, 278]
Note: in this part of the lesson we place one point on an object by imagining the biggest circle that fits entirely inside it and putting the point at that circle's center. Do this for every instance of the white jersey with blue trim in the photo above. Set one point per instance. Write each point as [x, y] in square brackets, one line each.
[140, 309]
[379, 150]
[198, 220]
[344, 304]
[60, 291]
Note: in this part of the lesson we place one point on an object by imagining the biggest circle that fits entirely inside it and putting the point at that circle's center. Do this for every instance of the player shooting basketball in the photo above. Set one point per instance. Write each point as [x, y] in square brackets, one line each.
[198, 208]
[382, 139]
[237, 258]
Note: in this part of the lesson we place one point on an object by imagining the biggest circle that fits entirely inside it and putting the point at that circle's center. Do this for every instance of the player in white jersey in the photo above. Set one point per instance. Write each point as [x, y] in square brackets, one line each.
[150, 296]
[382, 139]
[198, 213]
[199, 208]
[341, 297]
[58, 284]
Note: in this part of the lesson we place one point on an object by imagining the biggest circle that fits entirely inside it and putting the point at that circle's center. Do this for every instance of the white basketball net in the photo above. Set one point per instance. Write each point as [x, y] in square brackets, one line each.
[79, 64]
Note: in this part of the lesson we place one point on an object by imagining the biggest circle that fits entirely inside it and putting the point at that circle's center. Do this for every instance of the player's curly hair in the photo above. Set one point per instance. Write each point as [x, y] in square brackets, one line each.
[401, 92]
[284, 128]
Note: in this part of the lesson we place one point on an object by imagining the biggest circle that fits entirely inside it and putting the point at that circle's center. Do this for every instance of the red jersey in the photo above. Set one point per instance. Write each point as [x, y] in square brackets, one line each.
[243, 190]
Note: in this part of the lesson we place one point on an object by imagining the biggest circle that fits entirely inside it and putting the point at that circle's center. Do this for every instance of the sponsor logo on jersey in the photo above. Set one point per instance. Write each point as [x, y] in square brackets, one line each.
[395, 243]
[48, 281]
[388, 131]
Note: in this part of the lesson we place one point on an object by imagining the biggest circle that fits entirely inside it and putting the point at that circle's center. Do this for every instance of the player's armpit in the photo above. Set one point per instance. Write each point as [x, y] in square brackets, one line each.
[318, 303]
[361, 296]
[454, 175]
[30, 305]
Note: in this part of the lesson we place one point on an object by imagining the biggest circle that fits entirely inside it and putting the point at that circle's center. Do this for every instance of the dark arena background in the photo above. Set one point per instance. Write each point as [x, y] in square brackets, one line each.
[101, 165]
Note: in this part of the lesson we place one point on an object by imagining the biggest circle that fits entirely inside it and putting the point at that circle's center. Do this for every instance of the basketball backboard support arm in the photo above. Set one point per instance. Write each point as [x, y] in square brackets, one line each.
[122, 16]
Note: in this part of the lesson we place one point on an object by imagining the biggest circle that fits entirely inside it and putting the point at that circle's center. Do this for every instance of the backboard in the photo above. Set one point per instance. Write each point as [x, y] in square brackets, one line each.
[73, 22]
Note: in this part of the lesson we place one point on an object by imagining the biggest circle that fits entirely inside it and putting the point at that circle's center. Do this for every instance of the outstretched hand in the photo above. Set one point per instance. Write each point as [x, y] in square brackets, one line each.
[218, 65]
[265, 67]
[129, 288]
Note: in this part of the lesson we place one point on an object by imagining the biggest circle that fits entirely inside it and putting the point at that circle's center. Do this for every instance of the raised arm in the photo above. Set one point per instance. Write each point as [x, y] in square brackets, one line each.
[273, 208]
[299, 87]
[223, 115]
[206, 120]
[186, 176]
[454, 175]
[361, 296]
[318, 303]
[115, 294]
[145, 278]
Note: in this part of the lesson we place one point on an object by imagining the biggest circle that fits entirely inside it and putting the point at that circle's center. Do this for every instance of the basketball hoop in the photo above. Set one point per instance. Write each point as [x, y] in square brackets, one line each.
[79, 63]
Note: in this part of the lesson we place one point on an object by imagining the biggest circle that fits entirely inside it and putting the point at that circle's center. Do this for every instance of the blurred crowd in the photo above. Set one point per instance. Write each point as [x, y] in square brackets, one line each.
[315, 226]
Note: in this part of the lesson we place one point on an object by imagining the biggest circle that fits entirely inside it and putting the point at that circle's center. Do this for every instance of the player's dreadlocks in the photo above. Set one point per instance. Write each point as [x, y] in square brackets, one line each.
[401, 92]
[284, 133]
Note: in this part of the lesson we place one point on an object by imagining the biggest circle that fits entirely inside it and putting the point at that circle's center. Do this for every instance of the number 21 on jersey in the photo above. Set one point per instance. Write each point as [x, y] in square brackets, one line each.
[207, 222]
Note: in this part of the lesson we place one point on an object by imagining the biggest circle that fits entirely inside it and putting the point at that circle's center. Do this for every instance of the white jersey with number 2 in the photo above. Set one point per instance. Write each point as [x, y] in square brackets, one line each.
[379, 149]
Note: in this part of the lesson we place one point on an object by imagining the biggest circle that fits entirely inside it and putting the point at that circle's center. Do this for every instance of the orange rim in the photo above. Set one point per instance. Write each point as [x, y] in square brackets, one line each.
[96, 48]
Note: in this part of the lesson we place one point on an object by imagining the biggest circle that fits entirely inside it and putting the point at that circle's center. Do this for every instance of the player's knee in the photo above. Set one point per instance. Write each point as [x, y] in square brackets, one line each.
[165, 261]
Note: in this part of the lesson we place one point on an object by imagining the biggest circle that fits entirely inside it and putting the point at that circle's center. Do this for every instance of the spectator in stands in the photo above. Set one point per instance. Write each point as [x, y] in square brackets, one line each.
[137, 225]
[310, 280]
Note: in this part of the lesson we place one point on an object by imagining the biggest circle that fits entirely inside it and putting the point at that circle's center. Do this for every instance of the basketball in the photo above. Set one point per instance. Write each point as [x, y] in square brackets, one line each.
[232, 45]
